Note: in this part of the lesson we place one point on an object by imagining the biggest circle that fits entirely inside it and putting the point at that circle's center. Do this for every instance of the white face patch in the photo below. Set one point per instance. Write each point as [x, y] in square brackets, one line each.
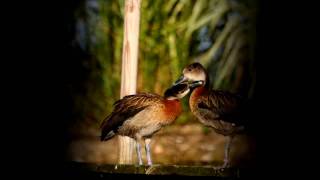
[184, 93]
[172, 98]
[179, 96]
[195, 76]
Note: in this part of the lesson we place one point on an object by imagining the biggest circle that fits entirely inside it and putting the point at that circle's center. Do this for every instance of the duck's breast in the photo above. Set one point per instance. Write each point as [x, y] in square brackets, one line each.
[172, 109]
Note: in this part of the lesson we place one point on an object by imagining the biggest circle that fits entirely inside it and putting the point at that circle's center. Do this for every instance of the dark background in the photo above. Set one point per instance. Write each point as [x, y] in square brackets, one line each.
[41, 108]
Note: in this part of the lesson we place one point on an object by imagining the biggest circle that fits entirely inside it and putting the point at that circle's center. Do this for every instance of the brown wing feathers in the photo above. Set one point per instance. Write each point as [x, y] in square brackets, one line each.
[124, 109]
[223, 106]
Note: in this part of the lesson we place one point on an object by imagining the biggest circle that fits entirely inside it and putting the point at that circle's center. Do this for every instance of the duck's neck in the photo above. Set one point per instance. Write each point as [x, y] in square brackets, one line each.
[196, 93]
[173, 107]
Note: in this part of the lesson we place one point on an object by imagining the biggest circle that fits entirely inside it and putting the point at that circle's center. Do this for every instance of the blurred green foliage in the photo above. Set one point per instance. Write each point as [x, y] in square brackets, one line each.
[218, 33]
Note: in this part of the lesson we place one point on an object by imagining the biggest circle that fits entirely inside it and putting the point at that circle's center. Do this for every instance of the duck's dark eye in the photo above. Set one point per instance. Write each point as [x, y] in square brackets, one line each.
[189, 69]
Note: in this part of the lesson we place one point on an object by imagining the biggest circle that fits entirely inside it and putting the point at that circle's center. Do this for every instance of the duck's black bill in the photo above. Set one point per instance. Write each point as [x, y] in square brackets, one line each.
[196, 84]
[181, 79]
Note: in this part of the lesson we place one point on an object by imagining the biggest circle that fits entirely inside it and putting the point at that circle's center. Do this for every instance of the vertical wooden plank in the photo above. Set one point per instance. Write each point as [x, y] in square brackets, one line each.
[129, 69]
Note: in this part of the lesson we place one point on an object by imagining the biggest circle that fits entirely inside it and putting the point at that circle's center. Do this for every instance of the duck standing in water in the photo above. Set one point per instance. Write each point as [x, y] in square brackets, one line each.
[223, 111]
[141, 115]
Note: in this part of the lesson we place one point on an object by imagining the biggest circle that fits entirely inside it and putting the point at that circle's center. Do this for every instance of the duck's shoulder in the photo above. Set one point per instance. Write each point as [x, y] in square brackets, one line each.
[139, 99]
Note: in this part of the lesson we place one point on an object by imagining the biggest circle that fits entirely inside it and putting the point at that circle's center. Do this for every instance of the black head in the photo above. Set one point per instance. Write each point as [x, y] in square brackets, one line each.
[177, 91]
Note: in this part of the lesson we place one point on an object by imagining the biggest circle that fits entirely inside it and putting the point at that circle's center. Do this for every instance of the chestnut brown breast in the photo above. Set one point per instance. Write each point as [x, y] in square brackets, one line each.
[199, 91]
[172, 109]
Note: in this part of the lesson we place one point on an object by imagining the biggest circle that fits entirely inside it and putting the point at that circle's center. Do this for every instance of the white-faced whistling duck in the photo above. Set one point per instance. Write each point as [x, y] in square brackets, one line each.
[141, 115]
[221, 110]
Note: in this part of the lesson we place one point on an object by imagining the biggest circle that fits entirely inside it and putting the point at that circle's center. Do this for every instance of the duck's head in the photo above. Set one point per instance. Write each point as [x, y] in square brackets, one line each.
[177, 91]
[194, 74]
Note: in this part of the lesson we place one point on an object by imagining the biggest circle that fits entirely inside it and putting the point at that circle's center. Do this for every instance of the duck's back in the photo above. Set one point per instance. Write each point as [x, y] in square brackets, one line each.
[125, 109]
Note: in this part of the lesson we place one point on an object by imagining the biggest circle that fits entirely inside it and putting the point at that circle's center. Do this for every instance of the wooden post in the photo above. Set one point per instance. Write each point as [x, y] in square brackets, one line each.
[129, 69]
